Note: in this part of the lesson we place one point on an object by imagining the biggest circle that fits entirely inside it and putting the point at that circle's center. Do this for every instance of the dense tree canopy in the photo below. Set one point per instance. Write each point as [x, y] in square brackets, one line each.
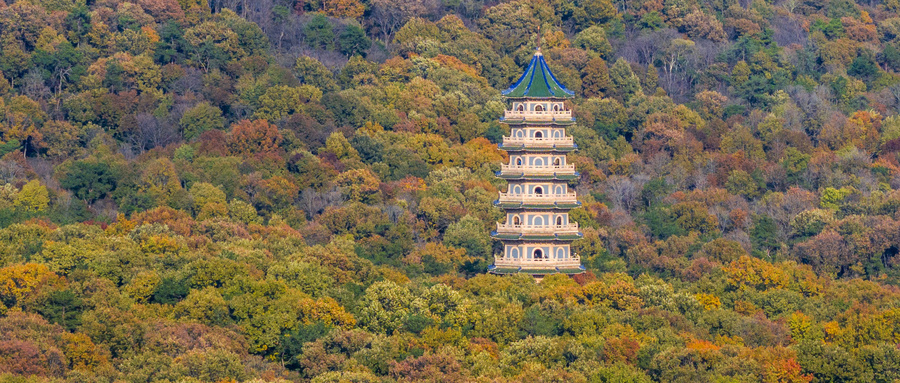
[293, 191]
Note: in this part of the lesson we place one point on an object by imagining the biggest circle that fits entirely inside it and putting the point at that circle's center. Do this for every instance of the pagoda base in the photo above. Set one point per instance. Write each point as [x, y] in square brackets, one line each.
[536, 267]
[537, 273]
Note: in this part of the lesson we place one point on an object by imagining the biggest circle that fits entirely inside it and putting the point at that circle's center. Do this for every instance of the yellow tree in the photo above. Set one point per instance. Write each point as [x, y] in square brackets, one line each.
[343, 8]
[360, 185]
[280, 101]
[18, 282]
[160, 179]
[22, 117]
[33, 197]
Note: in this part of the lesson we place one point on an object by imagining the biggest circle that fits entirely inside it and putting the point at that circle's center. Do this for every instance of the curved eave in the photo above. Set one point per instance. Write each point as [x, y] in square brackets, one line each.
[535, 237]
[535, 271]
[522, 121]
[536, 206]
[521, 176]
[523, 148]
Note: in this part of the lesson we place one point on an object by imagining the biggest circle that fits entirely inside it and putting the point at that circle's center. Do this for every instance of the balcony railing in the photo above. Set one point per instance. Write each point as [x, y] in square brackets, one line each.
[538, 141]
[538, 169]
[504, 228]
[574, 262]
[537, 198]
[544, 115]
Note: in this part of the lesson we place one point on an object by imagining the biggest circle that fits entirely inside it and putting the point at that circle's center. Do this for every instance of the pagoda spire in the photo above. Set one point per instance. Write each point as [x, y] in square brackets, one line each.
[537, 233]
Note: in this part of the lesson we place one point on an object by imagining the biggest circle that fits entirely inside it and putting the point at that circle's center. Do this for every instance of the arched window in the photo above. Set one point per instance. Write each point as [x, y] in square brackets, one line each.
[556, 162]
[538, 108]
[538, 221]
[514, 253]
[520, 133]
[560, 253]
[538, 190]
[516, 221]
[556, 107]
[538, 134]
[520, 108]
[538, 254]
[558, 221]
[519, 161]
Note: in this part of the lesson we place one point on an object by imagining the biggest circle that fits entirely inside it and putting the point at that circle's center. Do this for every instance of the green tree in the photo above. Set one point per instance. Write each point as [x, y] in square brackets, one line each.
[593, 12]
[311, 71]
[319, 32]
[624, 83]
[385, 307]
[742, 183]
[201, 118]
[203, 306]
[594, 39]
[352, 41]
[279, 102]
[469, 233]
[89, 180]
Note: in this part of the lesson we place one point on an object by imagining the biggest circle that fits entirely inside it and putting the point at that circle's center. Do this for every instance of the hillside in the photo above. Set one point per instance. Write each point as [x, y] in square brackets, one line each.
[302, 190]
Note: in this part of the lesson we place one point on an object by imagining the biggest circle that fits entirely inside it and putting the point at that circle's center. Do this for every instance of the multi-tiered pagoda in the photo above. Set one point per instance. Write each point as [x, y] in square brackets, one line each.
[537, 233]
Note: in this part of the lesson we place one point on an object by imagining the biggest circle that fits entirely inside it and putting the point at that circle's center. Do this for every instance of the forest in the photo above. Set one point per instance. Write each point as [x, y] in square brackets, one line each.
[302, 191]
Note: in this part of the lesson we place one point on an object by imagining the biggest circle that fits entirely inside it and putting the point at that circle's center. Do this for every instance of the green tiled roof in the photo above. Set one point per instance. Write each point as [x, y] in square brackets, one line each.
[538, 82]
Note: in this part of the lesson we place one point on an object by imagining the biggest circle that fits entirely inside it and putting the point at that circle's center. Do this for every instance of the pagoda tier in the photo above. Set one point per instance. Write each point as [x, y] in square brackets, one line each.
[537, 233]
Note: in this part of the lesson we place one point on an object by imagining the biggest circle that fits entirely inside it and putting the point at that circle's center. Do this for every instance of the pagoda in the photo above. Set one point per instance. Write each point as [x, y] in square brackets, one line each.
[537, 233]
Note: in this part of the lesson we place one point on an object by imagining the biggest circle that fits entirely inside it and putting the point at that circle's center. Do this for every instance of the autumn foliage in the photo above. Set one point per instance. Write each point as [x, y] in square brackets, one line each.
[303, 191]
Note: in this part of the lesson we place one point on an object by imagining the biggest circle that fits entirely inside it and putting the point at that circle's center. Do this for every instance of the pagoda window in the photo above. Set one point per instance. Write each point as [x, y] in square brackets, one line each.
[558, 221]
[538, 162]
[517, 221]
[538, 134]
[519, 161]
[514, 253]
[538, 190]
[556, 107]
[538, 254]
[556, 162]
[538, 221]
[560, 253]
[520, 108]
[538, 108]
[520, 133]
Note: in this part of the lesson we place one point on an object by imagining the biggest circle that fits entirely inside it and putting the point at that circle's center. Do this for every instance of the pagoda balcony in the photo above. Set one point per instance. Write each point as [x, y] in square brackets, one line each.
[548, 142]
[549, 230]
[537, 199]
[573, 262]
[538, 115]
[537, 169]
